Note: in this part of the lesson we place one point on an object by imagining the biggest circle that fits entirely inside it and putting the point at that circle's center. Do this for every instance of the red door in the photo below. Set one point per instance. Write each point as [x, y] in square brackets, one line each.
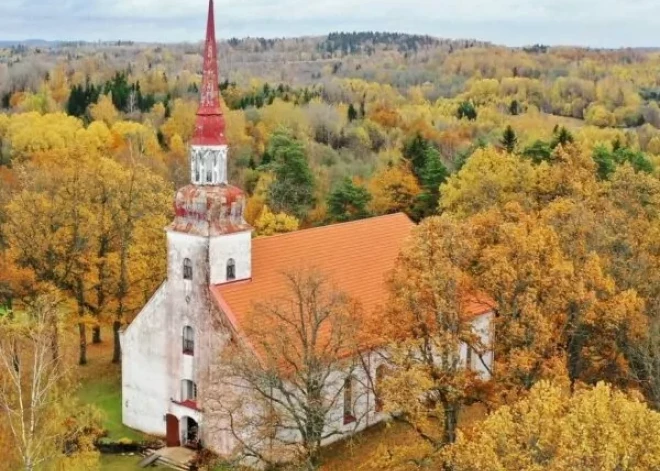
[172, 438]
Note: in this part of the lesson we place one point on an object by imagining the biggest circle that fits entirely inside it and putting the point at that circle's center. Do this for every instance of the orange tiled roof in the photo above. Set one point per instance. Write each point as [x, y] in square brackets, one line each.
[356, 257]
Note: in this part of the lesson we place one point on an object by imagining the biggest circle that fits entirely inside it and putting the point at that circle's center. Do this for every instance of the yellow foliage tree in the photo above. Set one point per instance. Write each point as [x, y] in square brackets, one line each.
[282, 114]
[41, 102]
[257, 202]
[490, 178]
[598, 428]
[104, 110]
[393, 189]
[269, 224]
[29, 133]
[140, 135]
[427, 328]
[600, 116]
[181, 121]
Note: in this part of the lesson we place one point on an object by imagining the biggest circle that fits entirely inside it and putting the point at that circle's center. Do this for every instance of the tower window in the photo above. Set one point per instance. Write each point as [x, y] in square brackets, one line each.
[188, 340]
[187, 269]
[231, 269]
[349, 415]
[188, 391]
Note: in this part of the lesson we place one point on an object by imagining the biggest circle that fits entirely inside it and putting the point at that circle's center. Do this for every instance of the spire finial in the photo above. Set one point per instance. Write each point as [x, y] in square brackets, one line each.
[210, 96]
[210, 127]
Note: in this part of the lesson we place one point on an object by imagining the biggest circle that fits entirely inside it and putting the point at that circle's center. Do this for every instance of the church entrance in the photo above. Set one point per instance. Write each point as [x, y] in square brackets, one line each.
[189, 433]
[172, 425]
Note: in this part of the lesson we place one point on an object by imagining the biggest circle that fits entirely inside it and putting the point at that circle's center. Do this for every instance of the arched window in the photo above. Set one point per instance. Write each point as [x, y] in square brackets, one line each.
[231, 269]
[380, 376]
[188, 340]
[349, 413]
[188, 391]
[187, 269]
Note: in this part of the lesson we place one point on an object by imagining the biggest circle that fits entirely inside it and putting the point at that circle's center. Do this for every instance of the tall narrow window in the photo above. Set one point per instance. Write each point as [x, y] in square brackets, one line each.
[188, 340]
[187, 269]
[188, 391]
[380, 376]
[209, 168]
[231, 269]
[349, 415]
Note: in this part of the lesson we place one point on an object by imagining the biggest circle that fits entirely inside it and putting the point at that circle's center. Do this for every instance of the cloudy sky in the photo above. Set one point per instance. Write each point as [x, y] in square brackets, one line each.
[599, 23]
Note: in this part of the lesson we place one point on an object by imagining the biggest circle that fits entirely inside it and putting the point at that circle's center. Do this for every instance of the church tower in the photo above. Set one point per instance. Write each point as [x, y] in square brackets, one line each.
[169, 347]
[209, 234]
[208, 243]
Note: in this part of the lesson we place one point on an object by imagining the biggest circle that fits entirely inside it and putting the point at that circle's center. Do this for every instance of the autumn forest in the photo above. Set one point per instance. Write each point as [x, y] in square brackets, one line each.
[533, 174]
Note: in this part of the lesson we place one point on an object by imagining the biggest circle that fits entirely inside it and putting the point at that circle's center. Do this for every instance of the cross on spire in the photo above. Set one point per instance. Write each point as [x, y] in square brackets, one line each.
[210, 124]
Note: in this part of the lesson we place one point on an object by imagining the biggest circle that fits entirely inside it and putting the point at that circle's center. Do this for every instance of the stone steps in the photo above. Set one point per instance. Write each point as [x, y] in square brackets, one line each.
[153, 457]
[171, 464]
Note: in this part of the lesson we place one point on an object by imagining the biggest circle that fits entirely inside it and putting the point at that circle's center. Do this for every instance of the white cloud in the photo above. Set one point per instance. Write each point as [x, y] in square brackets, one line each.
[591, 22]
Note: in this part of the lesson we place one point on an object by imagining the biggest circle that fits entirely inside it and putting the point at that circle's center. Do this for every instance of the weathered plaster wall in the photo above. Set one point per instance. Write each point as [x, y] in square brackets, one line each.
[232, 246]
[483, 327]
[144, 368]
[189, 303]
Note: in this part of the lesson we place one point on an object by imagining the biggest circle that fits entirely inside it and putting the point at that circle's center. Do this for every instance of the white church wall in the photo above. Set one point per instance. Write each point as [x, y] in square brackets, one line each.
[483, 327]
[363, 401]
[232, 246]
[188, 362]
[144, 368]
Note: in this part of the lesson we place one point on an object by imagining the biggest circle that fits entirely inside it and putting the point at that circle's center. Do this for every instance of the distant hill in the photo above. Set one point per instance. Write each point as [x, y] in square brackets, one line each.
[27, 42]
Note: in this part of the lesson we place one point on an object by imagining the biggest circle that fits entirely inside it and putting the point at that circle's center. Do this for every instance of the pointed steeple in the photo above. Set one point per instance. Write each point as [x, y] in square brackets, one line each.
[210, 125]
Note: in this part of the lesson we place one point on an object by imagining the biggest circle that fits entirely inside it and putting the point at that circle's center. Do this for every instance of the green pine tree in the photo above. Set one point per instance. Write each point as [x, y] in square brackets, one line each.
[292, 191]
[433, 176]
[467, 110]
[562, 137]
[415, 151]
[509, 139]
[352, 113]
[348, 202]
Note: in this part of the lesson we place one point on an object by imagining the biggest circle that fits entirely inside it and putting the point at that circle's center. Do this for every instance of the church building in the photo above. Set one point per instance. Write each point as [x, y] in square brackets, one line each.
[216, 272]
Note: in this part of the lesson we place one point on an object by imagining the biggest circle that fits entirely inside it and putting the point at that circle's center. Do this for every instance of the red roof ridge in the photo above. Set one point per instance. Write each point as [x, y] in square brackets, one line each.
[339, 224]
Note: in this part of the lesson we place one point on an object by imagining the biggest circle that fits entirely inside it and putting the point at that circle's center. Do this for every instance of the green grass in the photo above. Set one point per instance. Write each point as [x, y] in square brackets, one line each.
[100, 385]
[105, 393]
[125, 463]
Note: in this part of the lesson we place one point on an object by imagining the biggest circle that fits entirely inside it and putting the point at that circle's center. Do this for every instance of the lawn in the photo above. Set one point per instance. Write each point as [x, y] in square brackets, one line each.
[100, 385]
[105, 393]
[125, 463]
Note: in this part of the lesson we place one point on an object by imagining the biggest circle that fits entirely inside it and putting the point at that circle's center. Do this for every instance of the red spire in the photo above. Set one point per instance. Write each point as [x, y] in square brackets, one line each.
[210, 125]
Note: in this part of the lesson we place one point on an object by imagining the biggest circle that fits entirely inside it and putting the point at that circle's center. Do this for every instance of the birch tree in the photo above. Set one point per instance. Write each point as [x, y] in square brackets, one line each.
[46, 428]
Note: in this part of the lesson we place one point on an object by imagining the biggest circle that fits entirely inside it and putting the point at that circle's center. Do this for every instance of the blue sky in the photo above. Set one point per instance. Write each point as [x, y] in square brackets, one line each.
[598, 23]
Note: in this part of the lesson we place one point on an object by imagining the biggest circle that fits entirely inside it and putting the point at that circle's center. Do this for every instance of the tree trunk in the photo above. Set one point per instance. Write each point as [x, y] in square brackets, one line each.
[54, 338]
[451, 422]
[82, 330]
[116, 354]
[15, 359]
[96, 335]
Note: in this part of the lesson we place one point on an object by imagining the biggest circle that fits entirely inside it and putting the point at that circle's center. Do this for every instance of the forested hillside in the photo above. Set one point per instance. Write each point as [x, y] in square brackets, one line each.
[533, 173]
